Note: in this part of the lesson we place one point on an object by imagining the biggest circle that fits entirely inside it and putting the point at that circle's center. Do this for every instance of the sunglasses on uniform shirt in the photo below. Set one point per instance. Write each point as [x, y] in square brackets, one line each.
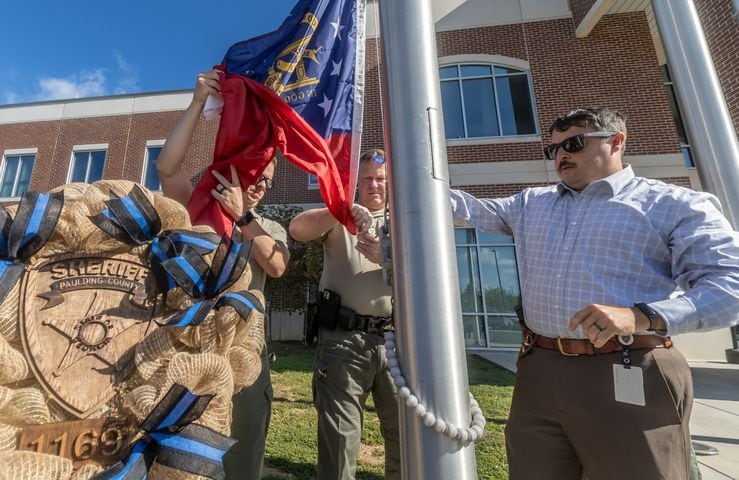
[573, 144]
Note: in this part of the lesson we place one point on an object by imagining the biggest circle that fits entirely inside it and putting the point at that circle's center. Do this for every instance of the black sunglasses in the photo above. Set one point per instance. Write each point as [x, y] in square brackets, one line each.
[573, 144]
[268, 182]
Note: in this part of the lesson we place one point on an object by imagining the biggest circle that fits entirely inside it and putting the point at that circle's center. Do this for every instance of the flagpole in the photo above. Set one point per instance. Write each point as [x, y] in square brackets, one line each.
[426, 288]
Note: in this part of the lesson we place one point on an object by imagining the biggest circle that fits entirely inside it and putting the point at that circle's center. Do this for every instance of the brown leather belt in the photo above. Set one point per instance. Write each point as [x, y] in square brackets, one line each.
[573, 347]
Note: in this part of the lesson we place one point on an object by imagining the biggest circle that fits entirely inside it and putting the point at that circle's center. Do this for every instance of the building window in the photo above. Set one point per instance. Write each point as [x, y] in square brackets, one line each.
[677, 117]
[151, 176]
[489, 288]
[312, 182]
[88, 166]
[486, 100]
[16, 175]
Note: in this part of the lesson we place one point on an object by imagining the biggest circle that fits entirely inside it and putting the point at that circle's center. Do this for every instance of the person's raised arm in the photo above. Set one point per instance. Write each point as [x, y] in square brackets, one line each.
[311, 224]
[175, 183]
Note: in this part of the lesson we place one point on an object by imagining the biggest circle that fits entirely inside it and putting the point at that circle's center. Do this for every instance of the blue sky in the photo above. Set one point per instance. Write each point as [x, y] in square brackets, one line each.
[84, 48]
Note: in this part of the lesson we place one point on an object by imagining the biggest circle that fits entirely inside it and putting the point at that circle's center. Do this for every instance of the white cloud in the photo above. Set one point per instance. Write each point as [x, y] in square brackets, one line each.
[127, 78]
[86, 83]
[79, 85]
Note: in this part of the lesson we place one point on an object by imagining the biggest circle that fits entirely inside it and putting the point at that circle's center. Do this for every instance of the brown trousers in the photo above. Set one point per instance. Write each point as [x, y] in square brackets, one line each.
[565, 421]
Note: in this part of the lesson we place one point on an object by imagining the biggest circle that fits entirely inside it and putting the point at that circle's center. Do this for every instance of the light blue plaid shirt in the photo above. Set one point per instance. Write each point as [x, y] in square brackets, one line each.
[623, 239]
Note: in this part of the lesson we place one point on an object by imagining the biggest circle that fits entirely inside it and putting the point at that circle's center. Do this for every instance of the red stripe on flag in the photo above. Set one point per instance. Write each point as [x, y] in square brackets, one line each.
[254, 123]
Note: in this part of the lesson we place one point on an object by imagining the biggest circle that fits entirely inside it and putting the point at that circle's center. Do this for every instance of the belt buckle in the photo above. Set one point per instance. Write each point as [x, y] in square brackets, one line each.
[527, 344]
[561, 350]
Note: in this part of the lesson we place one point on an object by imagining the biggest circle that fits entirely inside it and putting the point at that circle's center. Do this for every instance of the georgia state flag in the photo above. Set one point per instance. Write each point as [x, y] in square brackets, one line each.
[298, 89]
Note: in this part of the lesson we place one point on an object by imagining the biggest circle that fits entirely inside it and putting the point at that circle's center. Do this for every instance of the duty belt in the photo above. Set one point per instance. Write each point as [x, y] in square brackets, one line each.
[365, 323]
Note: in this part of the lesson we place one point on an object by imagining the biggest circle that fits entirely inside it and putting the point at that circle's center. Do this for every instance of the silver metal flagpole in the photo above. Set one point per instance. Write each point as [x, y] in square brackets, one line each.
[709, 126]
[427, 309]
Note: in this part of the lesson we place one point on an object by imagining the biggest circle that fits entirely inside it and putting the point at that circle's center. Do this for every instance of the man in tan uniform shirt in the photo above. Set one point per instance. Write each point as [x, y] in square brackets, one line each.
[350, 361]
[252, 406]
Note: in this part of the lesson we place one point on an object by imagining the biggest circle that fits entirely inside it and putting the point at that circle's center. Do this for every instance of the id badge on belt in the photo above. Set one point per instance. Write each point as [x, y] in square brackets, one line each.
[628, 381]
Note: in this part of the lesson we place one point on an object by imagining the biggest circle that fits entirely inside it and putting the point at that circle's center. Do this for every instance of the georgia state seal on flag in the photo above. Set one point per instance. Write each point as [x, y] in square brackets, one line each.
[298, 89]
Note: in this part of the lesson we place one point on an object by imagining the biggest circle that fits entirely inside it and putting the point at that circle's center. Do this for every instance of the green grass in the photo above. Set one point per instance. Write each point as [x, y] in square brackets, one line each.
[291, 442]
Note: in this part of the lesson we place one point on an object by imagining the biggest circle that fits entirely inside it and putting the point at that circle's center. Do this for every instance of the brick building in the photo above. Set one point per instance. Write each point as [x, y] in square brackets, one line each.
[507, 68]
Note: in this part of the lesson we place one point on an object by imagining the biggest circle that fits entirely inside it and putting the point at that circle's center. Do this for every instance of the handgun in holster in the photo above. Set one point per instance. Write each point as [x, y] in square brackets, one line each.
[323, 313]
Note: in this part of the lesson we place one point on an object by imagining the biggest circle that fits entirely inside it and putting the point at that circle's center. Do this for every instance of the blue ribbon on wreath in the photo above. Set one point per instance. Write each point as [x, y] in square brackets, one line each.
[176, 255]
[23, 236]
[171, 439]
[244, 302]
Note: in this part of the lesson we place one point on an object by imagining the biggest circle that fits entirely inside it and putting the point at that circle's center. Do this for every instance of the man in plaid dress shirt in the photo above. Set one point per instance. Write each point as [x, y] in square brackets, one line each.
[611, 265]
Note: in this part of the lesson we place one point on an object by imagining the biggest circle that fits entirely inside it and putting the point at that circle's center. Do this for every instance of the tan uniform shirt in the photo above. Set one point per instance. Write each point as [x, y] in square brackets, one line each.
[358, 281]
[278, 233]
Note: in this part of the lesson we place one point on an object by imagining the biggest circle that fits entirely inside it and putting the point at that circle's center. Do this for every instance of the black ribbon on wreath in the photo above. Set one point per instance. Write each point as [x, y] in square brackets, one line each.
[176, 255]
[23, 236]
[172, 439]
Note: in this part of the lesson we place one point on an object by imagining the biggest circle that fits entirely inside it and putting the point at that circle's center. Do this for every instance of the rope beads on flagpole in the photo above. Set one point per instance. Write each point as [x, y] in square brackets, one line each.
[465, 434]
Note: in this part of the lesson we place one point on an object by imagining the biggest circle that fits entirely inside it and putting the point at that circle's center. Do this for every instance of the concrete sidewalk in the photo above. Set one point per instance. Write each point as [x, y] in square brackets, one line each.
[715, 418]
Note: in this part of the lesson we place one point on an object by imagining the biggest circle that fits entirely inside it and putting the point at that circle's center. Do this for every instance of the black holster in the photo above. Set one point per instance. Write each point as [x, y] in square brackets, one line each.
[324, 313]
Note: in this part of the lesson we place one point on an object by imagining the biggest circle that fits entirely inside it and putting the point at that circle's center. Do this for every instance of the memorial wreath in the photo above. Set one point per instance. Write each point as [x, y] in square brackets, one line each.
[124, 331]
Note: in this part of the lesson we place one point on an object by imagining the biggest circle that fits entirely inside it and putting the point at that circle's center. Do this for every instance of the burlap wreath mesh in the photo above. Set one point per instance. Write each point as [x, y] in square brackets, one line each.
[217, 358]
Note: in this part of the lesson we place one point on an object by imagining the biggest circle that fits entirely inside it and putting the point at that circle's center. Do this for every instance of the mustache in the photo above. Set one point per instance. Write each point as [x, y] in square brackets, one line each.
[565, 164]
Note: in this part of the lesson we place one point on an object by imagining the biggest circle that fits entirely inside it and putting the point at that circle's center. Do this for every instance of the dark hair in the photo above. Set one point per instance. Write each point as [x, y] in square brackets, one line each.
[600, 118]
[370, 155]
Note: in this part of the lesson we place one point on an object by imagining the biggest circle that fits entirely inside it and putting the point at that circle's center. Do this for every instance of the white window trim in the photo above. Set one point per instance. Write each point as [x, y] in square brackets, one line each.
[86, 148]
[91, 146]
[459, 142]
[13, 152]
[150, 144]
[20, 151]
[502, 61]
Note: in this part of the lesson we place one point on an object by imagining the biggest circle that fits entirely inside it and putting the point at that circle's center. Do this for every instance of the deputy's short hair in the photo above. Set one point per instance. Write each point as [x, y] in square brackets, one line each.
[599, 118]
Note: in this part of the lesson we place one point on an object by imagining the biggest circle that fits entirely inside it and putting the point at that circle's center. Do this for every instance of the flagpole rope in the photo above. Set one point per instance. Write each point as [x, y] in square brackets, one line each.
[465, 434]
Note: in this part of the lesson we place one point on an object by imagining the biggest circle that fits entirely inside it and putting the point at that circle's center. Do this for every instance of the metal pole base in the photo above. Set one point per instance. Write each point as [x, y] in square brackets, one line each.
[732, 355]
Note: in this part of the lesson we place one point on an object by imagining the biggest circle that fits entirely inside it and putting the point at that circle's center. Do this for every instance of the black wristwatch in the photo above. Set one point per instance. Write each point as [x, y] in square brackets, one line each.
[245, 219]
[651, 314]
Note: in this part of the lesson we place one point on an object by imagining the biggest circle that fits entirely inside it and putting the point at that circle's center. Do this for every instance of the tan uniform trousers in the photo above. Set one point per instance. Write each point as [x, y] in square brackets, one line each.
[348, 366]
[565, 421]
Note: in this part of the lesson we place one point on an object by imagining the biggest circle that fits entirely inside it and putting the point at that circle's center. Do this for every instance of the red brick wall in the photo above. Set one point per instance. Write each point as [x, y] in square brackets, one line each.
[579, 9]
[373, 135]
[722, 33]
[614, 66]
[41, 135]
[126, 136]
